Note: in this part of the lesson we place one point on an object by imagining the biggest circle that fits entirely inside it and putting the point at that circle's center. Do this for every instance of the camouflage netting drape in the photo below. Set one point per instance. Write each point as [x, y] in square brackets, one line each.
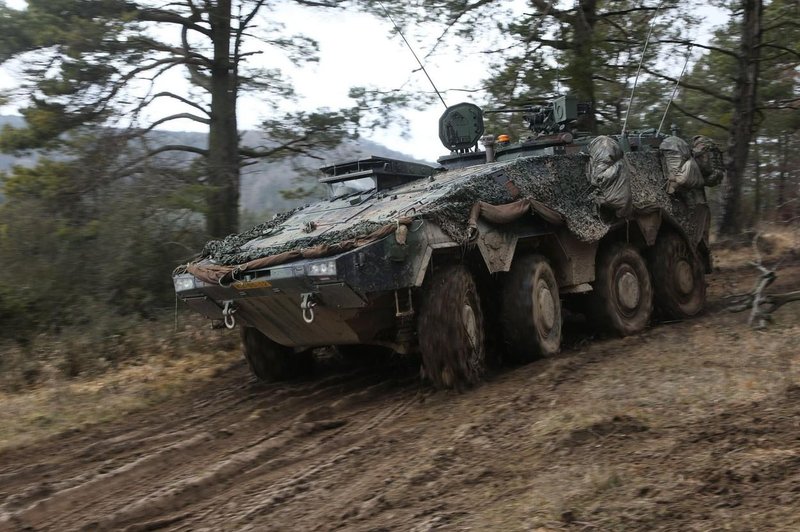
[556, 188]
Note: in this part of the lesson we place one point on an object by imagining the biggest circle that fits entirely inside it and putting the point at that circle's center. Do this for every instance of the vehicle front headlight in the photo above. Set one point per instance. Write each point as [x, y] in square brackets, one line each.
[183, 283]
[326, 267]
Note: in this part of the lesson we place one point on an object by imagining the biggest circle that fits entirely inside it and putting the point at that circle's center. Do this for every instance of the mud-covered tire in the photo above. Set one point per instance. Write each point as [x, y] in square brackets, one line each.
[623, 293]
[531, 311]
[678, 279]
[450, 329]
[270, 361]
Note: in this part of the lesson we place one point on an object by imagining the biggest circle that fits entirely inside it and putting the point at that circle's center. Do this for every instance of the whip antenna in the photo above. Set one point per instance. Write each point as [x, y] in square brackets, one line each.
[638, 70]
[397, 28]
[675, 89]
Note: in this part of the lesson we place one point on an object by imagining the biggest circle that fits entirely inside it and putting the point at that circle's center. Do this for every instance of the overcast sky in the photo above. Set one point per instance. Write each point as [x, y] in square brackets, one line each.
[357, 49]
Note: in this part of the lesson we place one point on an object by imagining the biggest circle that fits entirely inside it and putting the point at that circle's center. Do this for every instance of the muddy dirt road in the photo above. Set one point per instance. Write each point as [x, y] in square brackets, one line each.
[690, 426]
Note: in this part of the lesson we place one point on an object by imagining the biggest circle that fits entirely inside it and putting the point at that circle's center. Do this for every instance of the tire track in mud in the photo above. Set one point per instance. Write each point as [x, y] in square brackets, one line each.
[360, 449]
[103, 484]
[154, 475]
[68, 457]
[261, 480]
[333, 453]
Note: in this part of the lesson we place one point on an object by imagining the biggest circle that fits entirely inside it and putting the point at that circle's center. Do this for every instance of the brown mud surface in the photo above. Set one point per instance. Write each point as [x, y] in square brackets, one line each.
[688, 426]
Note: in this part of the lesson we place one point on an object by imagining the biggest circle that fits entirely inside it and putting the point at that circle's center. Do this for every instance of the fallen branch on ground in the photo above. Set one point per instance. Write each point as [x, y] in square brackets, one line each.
[761, 305]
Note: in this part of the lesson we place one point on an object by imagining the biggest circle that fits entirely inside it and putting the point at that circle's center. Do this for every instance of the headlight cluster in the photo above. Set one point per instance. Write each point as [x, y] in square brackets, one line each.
[327, 267]
[183, 283]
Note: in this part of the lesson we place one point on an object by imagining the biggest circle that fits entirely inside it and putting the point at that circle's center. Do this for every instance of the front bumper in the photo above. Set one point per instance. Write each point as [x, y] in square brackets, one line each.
[347, 291]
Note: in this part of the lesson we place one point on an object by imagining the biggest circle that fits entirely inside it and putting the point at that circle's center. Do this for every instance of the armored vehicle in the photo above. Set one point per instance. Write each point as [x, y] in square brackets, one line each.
[484, 249]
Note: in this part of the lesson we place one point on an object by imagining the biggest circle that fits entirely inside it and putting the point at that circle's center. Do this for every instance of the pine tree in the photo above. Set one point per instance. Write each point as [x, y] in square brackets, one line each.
[85, 62]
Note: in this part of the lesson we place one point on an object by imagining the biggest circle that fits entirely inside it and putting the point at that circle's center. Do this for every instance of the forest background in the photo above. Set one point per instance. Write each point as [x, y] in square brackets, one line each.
[99, 203]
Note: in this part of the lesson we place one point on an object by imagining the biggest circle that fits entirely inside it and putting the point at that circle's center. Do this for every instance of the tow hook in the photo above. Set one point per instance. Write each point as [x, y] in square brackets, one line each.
[307, 305]
[227, 314]
[400, 302]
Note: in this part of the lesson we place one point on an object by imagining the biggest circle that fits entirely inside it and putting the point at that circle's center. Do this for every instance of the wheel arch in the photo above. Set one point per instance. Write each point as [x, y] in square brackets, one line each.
[699, 246]
[648, 227]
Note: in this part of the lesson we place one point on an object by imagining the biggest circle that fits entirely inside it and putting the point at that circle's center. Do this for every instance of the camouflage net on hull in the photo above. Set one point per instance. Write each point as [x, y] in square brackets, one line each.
[558, 182]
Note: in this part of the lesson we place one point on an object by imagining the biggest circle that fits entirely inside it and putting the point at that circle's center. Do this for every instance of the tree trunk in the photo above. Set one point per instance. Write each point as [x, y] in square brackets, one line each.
[757, 169]
[581, 68]
[784, 213]
[223, 141]
[741, 130]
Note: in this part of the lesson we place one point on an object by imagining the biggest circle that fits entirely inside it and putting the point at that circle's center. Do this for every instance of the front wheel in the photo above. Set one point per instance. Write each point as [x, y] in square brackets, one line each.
[451, 329]
[679, 283]
[531, 310]
[269, 361]
[623, 293]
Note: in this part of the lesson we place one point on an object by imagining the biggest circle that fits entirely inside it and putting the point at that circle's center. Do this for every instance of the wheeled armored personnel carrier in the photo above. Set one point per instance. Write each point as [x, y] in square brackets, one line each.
[486, 248]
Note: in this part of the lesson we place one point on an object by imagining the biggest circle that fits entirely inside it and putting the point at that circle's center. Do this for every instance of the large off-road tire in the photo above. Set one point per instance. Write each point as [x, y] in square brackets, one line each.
[623, 293]
[678, 279]
[450, 328]
[270, 361]
[531, 311]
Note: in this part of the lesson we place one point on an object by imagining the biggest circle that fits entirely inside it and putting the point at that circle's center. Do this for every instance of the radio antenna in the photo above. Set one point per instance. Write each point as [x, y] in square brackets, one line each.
[638, 70]
[397, 28]
[675, 89]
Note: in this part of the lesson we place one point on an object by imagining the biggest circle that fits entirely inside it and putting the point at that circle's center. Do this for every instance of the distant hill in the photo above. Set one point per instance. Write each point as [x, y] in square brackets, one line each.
[262, 183]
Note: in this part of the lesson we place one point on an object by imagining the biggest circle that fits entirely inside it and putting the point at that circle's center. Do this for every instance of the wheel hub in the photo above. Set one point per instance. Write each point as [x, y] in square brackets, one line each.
[546, 305]
[470, 324]
[628, 289]
[684, 278]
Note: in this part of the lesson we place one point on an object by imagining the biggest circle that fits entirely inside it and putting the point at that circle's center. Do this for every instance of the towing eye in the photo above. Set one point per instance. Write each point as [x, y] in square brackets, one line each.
[307, 305]
[227, 314]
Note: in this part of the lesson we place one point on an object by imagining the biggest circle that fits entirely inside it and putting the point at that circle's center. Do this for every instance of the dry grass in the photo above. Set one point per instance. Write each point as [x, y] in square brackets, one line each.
[774, 243]
[165, 365]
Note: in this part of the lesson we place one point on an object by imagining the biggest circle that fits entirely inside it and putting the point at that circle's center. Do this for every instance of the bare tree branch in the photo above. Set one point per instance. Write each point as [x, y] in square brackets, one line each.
[198, 78]
[703, 46]
[761, 305]
[686, 85]
[782, 48]
[453, 21]
[176, 147]
[310, 3]
[547, 9]
[178, 116]
[781, 24]
[169, 17]
[684, 111]
[159, 46]
[166, 94]
[626, 11]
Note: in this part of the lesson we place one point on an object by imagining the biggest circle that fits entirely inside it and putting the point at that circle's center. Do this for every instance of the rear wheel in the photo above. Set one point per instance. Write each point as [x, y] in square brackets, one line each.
[270, 361]
[623, 293]
[679, 283]
[531, 310]
[451, 329]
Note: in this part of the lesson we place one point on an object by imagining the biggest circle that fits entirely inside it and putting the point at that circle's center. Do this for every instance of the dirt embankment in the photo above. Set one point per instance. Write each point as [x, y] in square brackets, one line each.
[689, 426]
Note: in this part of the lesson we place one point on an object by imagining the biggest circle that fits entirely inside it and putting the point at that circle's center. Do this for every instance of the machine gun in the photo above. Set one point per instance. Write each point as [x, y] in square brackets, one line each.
[552, 117]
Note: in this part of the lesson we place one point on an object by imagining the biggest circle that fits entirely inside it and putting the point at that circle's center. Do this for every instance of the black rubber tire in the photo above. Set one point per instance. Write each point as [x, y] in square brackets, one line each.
[270, 361]
[678, 279]
[625, 312]
[531, 310]
[450, 329]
